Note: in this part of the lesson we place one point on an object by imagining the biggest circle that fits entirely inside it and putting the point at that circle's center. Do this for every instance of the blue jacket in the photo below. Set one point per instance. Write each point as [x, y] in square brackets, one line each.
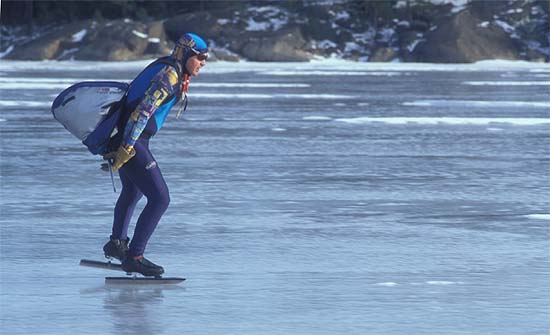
[151, 96]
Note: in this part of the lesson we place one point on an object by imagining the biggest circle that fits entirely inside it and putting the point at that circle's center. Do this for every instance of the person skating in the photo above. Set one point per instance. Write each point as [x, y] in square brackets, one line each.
[151, 96]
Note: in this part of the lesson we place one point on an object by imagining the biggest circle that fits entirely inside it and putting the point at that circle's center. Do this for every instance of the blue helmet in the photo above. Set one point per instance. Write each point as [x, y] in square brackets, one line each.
[189, 45]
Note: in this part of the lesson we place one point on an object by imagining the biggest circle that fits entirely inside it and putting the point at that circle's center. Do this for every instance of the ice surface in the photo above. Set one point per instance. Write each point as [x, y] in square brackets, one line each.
[316, 118]
[448, 120]
[475, 103]
[271, 96]
[387, 284]
[283, 219]
[508, 83]
[43, 83]
[539, 216]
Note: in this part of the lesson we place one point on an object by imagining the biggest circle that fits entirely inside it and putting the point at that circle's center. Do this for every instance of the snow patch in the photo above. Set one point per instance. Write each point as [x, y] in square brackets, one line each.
[252, 25]
[413, 45]
[404, 24]
[400, 4]
[365, 37]
[324, 44]
[274, 17]
[505, 26]
[514, 11]
[139, 34]
[67, 52]
[78, 37]
[386, 34]
[6, 52]
[484, 24]
[352, 46]
[342, 16]
[458, 5]
[153, 40]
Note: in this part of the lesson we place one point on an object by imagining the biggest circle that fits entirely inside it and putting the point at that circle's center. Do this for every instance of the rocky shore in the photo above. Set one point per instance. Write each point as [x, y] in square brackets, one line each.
[440, 31]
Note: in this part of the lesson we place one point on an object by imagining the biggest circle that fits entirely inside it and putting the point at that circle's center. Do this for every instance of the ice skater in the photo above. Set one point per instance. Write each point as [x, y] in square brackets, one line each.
[151, 96]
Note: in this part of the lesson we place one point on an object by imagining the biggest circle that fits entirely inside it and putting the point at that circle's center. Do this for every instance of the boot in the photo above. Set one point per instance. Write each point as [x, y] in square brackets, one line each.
[116, 248]
[141, 265]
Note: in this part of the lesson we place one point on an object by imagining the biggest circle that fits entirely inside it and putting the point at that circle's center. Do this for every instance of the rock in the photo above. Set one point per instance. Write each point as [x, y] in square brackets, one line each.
[536, 56]
[50, 45]
[221, 54]
[117, 41]
[280, 46]
[461, 39]
[158, 42]
[209, 25]
[383, 54]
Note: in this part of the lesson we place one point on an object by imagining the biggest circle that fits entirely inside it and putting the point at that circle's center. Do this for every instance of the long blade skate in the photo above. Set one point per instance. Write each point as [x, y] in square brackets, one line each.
[132, 277]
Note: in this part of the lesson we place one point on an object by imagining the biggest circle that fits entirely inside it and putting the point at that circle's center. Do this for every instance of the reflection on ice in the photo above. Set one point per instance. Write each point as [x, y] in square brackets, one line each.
[132, 310]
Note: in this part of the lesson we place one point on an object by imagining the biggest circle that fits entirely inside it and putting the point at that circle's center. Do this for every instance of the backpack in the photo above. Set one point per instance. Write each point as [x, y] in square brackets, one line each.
[90, 110]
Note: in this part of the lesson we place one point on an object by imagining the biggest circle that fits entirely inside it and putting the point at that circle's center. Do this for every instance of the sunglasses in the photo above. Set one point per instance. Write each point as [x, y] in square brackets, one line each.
[200, 55]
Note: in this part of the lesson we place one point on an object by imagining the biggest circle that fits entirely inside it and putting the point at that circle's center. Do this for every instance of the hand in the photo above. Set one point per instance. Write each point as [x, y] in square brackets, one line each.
[121, 156]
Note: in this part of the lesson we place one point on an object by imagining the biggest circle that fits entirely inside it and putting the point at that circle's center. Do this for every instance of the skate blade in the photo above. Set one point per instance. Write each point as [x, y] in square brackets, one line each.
[101, 265]
[144, 280]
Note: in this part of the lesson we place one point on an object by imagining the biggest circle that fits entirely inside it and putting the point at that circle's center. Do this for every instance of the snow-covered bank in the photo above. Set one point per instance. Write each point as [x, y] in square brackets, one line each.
[440, 31]
[291, 69]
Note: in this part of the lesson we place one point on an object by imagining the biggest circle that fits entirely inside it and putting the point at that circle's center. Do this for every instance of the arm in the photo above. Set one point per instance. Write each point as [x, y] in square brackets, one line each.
[162, 86]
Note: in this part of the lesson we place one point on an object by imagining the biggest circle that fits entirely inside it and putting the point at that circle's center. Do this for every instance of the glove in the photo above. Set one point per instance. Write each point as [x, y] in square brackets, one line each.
[121, 156]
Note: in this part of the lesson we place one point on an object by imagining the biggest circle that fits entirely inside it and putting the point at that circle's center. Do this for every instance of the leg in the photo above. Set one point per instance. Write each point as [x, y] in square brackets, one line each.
[126, 203]
[144, 173]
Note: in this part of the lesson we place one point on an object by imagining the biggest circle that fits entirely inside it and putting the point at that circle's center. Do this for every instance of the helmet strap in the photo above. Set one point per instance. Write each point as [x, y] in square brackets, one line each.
[184, 88]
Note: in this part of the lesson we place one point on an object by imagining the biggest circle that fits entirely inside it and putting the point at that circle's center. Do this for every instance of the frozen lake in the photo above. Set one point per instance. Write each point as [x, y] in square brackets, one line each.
[320, 198]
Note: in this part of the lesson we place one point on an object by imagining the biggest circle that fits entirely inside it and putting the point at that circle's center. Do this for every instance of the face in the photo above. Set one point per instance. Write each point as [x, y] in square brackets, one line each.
[194, 64]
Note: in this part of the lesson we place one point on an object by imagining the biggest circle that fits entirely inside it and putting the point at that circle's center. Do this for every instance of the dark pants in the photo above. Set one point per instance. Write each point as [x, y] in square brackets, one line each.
[140, 176]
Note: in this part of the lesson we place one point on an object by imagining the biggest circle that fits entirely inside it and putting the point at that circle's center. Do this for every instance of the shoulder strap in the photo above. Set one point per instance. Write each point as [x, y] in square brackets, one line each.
[170, 61]
[163, 60]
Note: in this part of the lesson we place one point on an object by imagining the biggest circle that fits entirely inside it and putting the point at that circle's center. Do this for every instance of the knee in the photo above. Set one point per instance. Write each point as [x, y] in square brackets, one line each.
[161, 200]
[165, 199]
[129, 196]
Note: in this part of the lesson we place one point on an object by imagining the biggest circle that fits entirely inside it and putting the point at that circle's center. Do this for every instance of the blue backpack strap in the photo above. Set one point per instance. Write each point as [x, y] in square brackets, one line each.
[172, 62]
[163, 60]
